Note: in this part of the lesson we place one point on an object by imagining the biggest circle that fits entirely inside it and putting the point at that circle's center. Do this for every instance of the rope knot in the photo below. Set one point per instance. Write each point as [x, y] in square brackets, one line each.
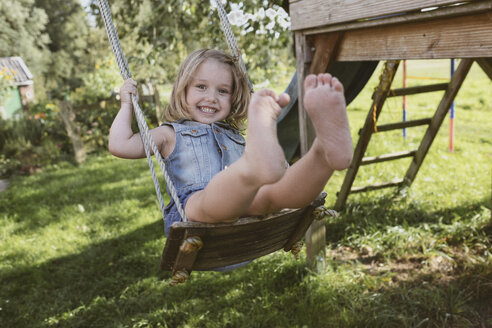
[191, 244]
[320, 212]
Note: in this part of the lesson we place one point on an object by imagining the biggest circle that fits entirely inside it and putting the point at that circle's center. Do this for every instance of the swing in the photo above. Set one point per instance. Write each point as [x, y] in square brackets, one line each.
[205, 246]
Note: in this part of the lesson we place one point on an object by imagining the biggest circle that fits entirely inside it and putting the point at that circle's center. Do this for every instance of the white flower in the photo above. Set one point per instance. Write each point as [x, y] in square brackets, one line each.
[236, 18]
[271, 13]
[261, 13]
[281, 13]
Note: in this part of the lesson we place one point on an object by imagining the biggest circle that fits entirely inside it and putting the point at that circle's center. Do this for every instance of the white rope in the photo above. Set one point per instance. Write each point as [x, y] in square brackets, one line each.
[231, 40]
[142, 125]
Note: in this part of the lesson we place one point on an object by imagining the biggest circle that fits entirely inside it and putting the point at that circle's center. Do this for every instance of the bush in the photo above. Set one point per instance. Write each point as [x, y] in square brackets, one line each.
[31, 141]
[39, 138]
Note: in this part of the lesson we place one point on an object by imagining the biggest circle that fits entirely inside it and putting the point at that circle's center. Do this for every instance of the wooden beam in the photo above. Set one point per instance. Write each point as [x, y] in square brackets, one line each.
[393, 183]
[456, 37]
[402, 125]
[387, 157]
[379, 97]
[311, 13]
[326, 51]
[417, 90]
[453, 11]
[315, 235]
[442, 110]
[486, 65]
[304, 55]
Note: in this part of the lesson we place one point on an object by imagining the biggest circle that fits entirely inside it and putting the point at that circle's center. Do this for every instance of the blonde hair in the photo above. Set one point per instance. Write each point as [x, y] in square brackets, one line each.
[178, 108]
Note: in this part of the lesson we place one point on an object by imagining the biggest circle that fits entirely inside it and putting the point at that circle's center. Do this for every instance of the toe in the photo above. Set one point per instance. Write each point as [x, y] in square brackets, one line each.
[325, 78]
[337, 85]
[283, 99]
[310, 82]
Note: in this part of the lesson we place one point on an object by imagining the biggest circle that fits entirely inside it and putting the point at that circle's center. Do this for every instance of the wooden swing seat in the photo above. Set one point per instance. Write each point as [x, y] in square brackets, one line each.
[204, 246]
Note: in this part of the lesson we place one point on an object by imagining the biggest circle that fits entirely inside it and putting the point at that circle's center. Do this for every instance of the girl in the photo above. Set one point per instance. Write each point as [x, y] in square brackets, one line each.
[218, 176]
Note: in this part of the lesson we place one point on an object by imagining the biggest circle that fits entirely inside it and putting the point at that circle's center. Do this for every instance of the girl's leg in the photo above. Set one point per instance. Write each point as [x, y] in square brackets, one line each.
[230, 193]
[331, 150]
[300, 185]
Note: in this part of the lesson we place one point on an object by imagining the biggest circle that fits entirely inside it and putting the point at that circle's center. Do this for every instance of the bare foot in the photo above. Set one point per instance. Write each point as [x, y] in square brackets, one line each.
[325, 104]
[263, 152]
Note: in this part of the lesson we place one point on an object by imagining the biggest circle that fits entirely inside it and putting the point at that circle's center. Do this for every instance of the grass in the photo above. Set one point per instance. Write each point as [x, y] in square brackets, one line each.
[80, 246]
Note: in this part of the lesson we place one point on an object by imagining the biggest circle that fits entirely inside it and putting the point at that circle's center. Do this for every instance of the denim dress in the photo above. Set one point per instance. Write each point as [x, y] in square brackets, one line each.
[200, 152]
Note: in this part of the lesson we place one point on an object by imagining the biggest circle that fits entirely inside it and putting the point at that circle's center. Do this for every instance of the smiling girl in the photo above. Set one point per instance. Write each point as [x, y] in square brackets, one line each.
[218, 176]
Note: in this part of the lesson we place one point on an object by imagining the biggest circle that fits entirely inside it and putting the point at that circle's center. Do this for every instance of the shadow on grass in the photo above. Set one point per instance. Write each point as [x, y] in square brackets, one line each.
[378, 214]
[103, 270]
[118, 281]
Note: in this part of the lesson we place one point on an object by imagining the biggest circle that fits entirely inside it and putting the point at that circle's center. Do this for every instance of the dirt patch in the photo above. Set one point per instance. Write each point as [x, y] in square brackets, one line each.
[440, 267]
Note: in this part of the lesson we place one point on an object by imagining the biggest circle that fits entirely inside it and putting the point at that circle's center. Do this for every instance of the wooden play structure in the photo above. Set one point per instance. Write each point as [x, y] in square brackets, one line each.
[350, 30]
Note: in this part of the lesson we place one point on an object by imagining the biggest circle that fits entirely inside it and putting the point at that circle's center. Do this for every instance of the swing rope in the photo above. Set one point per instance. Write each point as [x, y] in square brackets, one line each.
[147, 139]
[231, 40]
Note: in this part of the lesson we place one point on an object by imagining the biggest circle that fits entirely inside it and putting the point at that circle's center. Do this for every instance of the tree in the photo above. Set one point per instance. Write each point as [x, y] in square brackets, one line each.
[73, 53]
[22, 33]
[157, 35]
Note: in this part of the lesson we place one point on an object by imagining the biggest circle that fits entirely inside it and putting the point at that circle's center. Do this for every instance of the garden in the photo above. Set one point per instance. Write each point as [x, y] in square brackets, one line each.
[80, 241]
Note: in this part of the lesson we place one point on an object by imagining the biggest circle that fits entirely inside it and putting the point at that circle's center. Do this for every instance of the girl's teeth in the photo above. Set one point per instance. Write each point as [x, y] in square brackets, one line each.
[207, 109]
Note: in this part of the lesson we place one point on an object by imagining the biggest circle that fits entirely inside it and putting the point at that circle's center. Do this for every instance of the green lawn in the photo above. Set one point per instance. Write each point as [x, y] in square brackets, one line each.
[80, 246]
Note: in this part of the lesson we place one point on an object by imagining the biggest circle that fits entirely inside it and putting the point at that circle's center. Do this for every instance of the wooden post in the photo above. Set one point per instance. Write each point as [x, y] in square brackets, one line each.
[315, 235]
[438, 118]
[379, 97]
[314, 55]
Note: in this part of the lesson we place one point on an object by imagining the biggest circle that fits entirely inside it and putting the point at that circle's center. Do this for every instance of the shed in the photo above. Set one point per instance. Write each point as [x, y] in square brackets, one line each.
[21, 93]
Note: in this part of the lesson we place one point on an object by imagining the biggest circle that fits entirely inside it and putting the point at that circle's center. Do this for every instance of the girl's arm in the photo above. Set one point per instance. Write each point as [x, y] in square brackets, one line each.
[123, 142]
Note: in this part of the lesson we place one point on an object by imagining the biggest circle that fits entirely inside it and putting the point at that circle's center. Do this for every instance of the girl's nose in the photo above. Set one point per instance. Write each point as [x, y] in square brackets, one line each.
[210, 95]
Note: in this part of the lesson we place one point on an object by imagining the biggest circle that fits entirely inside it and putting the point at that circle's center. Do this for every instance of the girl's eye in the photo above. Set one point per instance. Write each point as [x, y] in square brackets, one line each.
[201, 86]
[224, 91]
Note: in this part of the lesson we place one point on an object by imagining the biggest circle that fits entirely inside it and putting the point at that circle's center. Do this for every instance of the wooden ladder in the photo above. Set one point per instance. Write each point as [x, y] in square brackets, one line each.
[379, 96]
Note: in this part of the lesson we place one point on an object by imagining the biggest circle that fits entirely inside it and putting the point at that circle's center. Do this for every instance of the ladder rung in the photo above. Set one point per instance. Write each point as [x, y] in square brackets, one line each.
[393, 183]
[387, 157]
[417, 89]
[401, 125]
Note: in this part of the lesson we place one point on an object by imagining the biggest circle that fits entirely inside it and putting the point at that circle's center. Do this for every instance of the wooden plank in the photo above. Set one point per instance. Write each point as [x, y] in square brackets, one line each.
[401, 125]
[315, 243]
[442, 109]
[248, 234]
[417, 90]
[387, 157]
[238, 240]
[249, 248]
[304, 56]
[315, 236]
[464, 9]
[171, 249]
[379, 97]
[238, 228]
[326, 51]
[486, 65]
[301, 229]
[312, 13]
[186, 256]
[393, 183]
[459, 37]
[204, 263]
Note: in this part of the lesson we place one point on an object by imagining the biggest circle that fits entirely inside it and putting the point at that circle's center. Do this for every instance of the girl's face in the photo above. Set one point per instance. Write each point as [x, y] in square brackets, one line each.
[209, 92]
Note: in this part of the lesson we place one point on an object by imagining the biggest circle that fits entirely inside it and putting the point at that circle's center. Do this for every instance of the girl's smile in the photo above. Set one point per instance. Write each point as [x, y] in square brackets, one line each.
[209, 93]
